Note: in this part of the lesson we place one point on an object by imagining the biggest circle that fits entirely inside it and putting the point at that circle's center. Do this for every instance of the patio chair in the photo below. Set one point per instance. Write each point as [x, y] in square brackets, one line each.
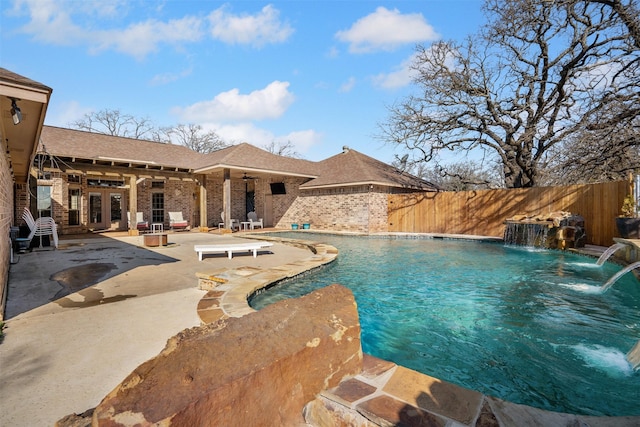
[234, 223]
[44, 226]
[177, 221]
[28, 218]
[141, 224]
[254, 221]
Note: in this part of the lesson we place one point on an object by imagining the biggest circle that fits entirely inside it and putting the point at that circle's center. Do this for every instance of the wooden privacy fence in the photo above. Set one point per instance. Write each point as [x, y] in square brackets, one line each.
[483, 212]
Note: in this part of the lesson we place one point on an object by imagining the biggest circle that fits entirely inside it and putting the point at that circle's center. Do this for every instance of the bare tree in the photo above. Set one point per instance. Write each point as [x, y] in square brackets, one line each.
[538, 76]
[457, 176]
[193, 137]
[286, 149]
[115, 123]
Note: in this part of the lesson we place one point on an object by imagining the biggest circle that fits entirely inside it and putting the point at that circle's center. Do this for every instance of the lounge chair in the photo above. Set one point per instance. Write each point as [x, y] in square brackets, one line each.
[177, 221]
[254, 221]
[234, 223]
[141, 224]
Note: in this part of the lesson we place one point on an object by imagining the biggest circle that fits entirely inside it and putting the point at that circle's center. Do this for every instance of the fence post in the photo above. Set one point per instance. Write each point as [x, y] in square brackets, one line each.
[635, 190]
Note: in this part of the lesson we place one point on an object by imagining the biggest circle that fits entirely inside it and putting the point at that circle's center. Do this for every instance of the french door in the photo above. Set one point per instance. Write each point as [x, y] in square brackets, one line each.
[105, 210]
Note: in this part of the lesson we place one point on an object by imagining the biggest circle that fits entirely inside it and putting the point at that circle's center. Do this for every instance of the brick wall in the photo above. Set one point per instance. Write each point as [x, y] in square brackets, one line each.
[178, 197]
[215, 203]
[6, 221]
[361, 209]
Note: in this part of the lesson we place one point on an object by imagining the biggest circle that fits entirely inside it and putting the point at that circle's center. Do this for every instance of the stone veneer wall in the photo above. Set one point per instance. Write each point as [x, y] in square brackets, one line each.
[6, 221]
[361, 209]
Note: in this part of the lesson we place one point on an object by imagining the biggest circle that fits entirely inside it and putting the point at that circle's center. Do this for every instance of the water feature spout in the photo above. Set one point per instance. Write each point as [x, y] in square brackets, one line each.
[555, 230]
[609, 252]
[619, 274]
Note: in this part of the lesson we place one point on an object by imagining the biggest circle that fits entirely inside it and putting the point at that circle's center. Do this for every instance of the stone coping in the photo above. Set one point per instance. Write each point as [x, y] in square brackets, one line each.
[387, 394]
[632, 253]
[228, 290]
[383, 393]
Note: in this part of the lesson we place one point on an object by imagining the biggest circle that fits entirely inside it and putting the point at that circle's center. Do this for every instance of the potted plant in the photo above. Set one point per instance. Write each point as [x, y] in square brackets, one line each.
[628, 223]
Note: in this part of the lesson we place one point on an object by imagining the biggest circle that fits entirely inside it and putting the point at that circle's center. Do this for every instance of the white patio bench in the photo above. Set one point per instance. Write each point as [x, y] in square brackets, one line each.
[230, 248]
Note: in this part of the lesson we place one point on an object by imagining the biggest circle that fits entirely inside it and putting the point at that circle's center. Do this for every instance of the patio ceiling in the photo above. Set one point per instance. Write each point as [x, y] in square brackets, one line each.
[22, 139]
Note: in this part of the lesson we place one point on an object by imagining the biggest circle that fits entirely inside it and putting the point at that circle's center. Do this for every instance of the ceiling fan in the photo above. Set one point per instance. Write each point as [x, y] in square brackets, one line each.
[246, 177]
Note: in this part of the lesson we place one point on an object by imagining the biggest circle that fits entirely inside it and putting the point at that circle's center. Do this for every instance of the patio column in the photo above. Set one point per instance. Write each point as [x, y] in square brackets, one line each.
[226, 198]
[203, 200]
[133, 205]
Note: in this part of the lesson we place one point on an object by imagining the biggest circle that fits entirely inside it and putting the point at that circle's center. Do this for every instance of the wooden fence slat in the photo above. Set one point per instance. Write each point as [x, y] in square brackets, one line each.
[483, 212]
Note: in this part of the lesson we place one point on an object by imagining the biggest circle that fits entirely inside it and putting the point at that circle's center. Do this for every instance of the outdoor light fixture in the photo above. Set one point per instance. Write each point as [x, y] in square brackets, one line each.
[16, 114]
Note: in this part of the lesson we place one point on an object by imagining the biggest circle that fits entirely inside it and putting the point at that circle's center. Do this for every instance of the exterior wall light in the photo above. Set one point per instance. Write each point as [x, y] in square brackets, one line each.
[16, 114]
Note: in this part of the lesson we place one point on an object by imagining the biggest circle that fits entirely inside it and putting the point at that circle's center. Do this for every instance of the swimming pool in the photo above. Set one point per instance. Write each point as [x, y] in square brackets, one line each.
[528, 326]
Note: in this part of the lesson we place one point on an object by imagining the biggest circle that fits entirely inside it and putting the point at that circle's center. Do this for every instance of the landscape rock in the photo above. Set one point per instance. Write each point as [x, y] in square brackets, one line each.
[258, 370]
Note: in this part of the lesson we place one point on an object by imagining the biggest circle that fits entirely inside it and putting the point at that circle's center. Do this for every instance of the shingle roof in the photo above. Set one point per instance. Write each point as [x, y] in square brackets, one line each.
[347, 168]
[354, 168]
[11, 77]
[250, 157]
[95, 146]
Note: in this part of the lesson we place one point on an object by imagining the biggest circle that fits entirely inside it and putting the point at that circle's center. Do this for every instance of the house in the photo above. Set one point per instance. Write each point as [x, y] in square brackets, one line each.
[94, 182]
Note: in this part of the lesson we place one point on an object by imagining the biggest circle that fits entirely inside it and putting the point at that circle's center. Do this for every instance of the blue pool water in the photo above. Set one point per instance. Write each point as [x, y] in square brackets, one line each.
[527, 326]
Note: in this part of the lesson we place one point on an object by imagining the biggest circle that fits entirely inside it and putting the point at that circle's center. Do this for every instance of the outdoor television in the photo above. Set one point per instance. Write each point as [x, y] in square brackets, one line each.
[278, 188]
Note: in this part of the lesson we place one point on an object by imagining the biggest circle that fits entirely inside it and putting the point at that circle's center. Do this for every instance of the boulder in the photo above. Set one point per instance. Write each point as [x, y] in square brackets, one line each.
[257, 370]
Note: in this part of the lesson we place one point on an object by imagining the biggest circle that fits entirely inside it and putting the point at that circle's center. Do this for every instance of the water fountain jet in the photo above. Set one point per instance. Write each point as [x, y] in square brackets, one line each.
[619, 274]
[609, 252]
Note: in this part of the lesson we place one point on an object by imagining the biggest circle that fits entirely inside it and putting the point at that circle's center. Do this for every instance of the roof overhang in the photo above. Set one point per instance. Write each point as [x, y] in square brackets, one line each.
[360, 183]
[22, 138]
[239, 171]
[69, 162]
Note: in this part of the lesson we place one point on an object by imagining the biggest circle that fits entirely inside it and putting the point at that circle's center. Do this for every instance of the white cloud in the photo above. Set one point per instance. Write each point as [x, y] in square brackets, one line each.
[64, 113]
[166, 78]
[52, 22]
[140, 39]
[268, 103]
[387, 30]
[302, 140]
[348, 85]
[258, 30]
[402, 75]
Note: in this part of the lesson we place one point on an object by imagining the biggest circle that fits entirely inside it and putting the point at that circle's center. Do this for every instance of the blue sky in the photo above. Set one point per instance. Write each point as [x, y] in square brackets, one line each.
[319, 74]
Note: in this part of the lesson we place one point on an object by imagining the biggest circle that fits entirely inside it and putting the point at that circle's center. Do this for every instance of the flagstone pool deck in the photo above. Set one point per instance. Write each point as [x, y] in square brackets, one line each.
[81, 318]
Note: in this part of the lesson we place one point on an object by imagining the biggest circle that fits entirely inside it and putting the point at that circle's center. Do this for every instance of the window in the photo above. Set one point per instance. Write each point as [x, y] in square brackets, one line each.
[157, 184]
[278, 188]
[74, 206]
[95, 208]
[157, 207]
[44, 201]
[116, 206]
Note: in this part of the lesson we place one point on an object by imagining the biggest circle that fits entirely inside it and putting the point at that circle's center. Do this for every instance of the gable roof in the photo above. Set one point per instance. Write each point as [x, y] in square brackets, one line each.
[250, 158]
[354, 168]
